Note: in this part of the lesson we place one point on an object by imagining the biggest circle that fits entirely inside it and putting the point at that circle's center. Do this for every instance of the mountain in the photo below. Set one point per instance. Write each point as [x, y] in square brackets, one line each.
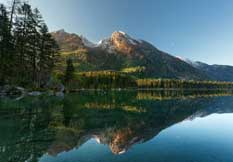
[67, 41]
[121, 52]
[216, 72]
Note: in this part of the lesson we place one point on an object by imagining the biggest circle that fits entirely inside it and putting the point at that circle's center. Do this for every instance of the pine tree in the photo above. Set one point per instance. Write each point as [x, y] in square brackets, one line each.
[5, 46]
[15, 5]
[36, 49]
[69, 70]
[28, 52]
[48, 53]
[22, 43]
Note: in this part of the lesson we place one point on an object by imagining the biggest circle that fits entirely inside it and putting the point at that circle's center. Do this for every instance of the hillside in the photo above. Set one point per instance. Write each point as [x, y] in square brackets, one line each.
[217, 72]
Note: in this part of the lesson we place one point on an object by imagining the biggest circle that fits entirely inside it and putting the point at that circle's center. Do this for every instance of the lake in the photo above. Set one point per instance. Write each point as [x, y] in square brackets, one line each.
[118, 126]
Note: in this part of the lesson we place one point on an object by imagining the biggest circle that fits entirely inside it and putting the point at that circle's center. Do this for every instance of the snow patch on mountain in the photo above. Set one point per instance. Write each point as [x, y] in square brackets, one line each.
[106, 44]
[127, 37]
[122, 32]
[190, 62]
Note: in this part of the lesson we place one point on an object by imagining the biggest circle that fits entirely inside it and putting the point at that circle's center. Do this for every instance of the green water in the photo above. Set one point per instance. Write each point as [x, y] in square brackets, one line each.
[124, 126]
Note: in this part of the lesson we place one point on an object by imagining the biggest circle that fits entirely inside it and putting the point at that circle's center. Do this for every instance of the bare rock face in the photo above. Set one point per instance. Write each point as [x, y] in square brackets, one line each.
[123, 43]
[122, 140]
[68, 41]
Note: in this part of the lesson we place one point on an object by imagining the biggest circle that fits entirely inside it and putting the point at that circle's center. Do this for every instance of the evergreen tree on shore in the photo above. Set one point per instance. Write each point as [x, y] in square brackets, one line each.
[27, 50]
[69, 71]
[6, 45]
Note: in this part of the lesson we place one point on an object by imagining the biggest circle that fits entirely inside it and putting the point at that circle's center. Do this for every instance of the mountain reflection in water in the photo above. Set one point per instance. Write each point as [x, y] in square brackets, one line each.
[43, 125]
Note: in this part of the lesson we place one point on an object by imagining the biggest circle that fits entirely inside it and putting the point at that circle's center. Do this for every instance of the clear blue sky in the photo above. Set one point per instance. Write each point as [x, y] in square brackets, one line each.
[196, 29]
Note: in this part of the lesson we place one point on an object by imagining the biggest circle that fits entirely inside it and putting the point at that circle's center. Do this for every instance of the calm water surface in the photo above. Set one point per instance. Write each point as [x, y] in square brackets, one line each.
[127, 126]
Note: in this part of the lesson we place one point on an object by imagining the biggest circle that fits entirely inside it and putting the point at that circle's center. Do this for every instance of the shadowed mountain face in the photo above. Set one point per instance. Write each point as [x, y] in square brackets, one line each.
[120, 52]
[216, 72]
[36, 126]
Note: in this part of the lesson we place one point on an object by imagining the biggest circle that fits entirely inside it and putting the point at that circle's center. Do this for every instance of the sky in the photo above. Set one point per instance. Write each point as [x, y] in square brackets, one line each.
[201, 30]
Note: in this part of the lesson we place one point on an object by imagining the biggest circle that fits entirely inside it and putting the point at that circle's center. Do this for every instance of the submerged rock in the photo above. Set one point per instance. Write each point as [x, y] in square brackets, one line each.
[35, 93]
[11, 91]
[14, 92]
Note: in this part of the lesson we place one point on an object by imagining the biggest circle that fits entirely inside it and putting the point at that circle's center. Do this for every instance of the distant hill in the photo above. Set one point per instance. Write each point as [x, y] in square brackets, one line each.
[121, 52]
[216, 72]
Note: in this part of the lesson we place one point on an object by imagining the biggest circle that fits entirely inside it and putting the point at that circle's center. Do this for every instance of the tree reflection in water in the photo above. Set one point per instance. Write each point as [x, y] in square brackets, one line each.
[36, 126]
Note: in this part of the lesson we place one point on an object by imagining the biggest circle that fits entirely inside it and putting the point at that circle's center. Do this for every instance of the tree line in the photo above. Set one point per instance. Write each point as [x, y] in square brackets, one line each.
[97, 80]
[182, 84]
[113, 80]
[27, 50]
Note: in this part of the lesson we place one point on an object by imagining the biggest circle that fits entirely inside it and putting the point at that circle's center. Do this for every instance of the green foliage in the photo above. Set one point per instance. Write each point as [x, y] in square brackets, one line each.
[101, 80]
[115, 80]
[69, 70]
[137, 71]
[5, 46]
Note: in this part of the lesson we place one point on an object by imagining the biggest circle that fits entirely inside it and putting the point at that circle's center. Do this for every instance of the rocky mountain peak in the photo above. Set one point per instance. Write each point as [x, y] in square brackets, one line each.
[70, 41]
[118, 34]
[120, 37]
[123, 42]
[61, 31]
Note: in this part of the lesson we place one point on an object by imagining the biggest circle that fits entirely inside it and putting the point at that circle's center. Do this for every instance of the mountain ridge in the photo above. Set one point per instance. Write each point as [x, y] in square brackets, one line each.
[215, 71]
[121, 51]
